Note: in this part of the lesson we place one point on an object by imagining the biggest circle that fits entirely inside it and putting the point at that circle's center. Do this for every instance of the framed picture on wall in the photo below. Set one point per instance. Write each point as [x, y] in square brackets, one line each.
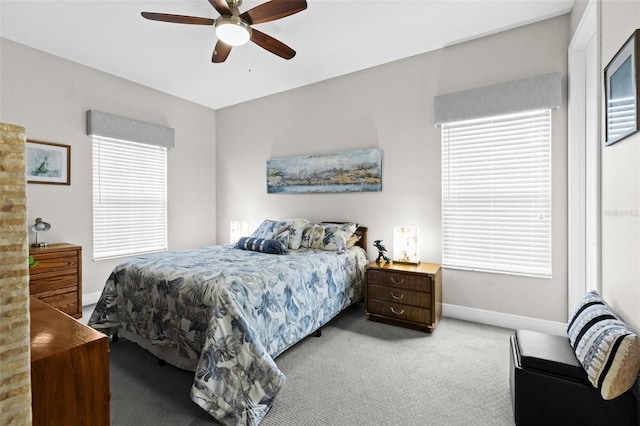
[621, 92]
[48, 163]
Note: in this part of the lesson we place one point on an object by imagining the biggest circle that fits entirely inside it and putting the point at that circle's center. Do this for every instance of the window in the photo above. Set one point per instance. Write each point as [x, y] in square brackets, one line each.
[496, 194]
[129, 198]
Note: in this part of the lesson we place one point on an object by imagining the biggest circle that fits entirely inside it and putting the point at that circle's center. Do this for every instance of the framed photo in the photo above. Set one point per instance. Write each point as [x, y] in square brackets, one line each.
[48, 163]
[621, 92]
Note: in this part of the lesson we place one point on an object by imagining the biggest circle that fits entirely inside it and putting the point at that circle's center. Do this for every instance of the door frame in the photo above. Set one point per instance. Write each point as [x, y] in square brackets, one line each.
[584, 266]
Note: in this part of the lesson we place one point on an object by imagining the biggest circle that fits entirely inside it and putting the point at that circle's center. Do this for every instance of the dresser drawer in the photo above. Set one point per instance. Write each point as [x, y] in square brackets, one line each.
[399, 280]
[399, 311]
[399, 295]
[58, 263]
[66, 302]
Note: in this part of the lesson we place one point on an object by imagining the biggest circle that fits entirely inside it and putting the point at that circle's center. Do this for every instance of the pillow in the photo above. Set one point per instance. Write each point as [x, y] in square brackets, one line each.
[607, 348]
[273, 230]
[328, 236]
[261, 245]
[353, 240]
[296, 228]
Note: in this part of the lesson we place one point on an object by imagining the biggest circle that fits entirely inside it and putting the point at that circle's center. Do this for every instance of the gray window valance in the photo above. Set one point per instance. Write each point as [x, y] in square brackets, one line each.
[543, 91]
[117, 127]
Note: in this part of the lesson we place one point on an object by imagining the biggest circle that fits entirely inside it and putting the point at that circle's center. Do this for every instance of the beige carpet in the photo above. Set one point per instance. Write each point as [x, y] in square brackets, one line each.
[358, 373]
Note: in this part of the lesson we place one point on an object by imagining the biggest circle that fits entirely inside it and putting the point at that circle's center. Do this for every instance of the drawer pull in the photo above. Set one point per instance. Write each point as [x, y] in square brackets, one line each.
[397, 297]
[393, 280]
[396, 312]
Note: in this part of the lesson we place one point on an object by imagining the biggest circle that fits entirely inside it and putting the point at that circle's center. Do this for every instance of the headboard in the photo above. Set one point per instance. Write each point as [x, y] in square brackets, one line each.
[362, 231]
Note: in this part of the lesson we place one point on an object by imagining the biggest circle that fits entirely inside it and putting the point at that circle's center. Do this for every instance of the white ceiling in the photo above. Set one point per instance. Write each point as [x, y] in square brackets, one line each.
[331, 38]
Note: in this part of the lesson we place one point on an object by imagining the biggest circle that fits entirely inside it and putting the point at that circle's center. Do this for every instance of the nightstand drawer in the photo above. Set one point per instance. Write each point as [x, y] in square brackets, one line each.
[399, 311]
[398, 295]
[399, 280]
[66, 302]
[41, 283]
[55, 263]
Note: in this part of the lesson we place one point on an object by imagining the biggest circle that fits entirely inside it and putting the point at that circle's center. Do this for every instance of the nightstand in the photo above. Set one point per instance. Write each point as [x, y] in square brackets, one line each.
[404, 295]
[57, 278]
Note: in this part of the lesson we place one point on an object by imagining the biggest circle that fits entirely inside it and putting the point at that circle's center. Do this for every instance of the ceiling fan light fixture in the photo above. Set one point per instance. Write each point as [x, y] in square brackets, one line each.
[233, 31]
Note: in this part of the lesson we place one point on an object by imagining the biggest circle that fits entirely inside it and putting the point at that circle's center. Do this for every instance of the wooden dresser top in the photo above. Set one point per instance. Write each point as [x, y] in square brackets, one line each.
[53, 331]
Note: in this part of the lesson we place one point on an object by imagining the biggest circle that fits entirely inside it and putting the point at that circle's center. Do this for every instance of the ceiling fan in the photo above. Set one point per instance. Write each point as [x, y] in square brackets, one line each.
[234, 29]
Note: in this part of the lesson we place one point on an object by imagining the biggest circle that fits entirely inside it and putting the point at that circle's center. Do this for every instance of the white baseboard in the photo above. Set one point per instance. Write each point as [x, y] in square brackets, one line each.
[500, 319]
[91, 298]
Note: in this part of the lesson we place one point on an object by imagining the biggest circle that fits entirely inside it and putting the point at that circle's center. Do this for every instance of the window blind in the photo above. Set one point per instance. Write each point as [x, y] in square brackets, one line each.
[496, 194]
[129, 198]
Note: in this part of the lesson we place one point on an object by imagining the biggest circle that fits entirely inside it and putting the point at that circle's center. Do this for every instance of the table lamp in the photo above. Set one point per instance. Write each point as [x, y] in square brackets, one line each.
[405, 245]
[40, 226]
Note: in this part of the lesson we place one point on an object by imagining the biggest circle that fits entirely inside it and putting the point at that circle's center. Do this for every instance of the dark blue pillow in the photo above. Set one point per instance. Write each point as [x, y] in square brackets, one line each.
[262, 245]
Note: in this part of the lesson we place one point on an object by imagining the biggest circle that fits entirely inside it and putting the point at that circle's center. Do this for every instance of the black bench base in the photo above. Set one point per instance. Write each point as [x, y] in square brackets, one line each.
[549, 387]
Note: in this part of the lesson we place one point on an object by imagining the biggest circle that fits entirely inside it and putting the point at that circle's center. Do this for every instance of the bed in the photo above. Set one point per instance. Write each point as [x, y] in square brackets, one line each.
[227, 311]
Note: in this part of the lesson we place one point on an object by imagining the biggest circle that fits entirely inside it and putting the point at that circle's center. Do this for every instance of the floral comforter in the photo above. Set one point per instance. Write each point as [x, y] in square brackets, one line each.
[233, 311]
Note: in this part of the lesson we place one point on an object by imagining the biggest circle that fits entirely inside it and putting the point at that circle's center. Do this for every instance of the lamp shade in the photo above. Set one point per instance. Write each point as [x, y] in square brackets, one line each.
[233, 31]
[405, 245]
[40, 225]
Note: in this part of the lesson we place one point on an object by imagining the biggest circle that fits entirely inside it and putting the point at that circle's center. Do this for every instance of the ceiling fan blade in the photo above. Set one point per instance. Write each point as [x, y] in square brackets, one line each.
[271, 44]
[221, 6]
[178, 19]
[272, 10]
[220, 52]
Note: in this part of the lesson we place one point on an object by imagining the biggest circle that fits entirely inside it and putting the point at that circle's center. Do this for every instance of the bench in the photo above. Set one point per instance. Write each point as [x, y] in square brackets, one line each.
[587, 377]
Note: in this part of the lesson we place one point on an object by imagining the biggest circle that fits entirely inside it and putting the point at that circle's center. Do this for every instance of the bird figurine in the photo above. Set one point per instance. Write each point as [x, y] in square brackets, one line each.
[381, 252]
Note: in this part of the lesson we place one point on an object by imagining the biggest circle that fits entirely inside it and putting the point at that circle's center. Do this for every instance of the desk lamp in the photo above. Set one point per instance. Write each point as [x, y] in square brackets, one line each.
[40, 226]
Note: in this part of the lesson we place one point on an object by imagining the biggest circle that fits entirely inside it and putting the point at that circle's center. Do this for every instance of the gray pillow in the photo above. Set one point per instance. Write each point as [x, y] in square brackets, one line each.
[328, 236]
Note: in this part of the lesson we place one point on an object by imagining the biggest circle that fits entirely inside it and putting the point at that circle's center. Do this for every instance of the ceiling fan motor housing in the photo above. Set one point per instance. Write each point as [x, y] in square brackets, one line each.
[233, 30]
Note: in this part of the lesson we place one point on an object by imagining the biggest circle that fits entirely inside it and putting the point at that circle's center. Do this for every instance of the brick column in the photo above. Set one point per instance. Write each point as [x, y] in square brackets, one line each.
[15, 365]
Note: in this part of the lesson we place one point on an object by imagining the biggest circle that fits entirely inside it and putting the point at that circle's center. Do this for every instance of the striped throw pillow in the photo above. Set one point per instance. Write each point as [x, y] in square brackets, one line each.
[607, 348]
[262, 245]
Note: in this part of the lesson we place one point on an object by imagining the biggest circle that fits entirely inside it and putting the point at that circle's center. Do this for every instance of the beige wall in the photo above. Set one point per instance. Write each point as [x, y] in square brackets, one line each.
[621, 185]
[49, 97]
[390, 107]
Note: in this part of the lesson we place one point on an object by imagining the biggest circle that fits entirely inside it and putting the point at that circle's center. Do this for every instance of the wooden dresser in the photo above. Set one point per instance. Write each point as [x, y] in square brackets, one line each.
[405, 295]
[69, 370]
[57, 278]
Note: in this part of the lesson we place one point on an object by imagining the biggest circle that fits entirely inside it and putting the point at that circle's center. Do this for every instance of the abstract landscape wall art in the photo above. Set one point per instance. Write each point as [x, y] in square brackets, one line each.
[352, 171]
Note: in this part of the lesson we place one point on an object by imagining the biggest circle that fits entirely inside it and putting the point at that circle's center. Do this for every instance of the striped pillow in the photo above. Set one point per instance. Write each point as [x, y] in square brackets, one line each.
[607, 348]
[262, 245]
